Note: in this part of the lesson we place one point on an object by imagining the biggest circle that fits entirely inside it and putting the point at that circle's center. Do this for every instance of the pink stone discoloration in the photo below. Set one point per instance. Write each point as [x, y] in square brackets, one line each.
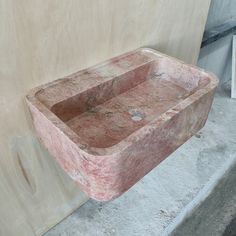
[109, 125]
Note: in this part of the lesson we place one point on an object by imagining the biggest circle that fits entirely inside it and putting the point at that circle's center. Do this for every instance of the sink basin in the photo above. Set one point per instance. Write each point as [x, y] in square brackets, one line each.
[109, 125]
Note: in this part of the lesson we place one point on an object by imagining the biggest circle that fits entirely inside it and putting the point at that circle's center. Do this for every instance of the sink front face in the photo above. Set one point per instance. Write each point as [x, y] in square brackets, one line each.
[112, 123]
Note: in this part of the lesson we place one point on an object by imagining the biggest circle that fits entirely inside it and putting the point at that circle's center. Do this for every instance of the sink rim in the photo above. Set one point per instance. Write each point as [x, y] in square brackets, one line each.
[141, 132]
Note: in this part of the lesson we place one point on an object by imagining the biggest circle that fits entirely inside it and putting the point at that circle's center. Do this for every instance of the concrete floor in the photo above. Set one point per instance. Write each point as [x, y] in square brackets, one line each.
[214, 208]
[155, 201]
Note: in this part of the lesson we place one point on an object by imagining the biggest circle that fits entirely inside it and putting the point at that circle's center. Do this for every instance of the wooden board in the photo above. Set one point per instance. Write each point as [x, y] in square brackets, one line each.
[43, 40]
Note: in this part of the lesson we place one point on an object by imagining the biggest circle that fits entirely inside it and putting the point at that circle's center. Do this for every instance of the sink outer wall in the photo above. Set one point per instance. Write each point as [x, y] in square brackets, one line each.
[108, 175]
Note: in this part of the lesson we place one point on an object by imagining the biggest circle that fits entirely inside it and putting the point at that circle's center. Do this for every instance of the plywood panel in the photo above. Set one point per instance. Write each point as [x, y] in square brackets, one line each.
[43, 40]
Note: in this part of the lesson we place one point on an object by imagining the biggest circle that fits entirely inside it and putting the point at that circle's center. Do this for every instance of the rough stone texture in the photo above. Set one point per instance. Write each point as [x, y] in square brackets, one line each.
[231, 228]
[214, 214]
[111, 124]
[153, 203]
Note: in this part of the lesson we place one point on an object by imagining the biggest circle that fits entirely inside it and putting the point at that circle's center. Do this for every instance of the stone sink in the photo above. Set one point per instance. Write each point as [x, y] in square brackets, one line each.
[109, 125]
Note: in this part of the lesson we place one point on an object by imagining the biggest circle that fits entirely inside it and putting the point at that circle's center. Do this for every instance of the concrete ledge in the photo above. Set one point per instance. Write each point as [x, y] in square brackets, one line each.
[212, 210]
[159, 203]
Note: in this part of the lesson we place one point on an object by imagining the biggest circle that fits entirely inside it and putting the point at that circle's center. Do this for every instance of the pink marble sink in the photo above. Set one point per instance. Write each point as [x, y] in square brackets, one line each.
[109, 125]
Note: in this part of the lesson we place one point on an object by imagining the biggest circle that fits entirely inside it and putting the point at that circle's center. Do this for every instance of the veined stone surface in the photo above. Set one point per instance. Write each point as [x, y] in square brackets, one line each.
[110, 124]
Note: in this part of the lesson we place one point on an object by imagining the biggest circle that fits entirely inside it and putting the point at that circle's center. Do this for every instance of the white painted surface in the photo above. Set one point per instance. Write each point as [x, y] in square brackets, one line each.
[233, 80]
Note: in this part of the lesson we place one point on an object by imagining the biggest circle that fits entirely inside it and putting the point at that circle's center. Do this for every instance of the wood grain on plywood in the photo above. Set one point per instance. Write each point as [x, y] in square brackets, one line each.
[41, 41]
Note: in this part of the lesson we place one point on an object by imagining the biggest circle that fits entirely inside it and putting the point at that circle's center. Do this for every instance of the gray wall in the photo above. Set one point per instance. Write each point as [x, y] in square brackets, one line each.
[217, 57]
[221, 11]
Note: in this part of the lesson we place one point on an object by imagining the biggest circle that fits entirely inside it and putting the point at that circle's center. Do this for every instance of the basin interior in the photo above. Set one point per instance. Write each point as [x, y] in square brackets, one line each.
[104, 114]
